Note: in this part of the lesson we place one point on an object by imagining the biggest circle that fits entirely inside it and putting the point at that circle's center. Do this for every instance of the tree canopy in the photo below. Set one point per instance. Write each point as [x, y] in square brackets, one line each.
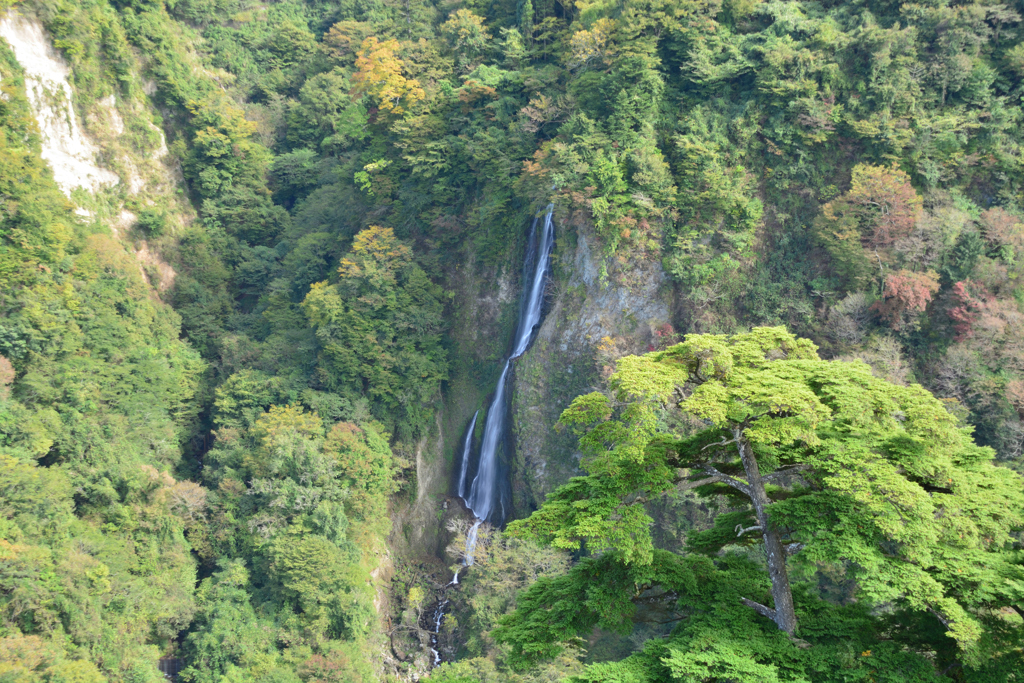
[833, 468]
[232, 384]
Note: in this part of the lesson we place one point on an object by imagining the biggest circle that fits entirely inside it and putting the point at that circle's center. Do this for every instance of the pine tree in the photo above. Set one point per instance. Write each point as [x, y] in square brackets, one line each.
[827, 463]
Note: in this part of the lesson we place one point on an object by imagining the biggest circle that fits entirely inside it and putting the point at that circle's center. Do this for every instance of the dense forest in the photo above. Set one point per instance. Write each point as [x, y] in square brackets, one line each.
[235, 379]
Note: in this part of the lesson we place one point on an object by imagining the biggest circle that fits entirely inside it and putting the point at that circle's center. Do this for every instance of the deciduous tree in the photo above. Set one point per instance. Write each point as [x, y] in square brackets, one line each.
[379, 75]
[378, 329]
[906, 295]
[885, 202]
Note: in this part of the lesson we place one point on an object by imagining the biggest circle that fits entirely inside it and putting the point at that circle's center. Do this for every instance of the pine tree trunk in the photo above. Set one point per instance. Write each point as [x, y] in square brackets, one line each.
[784, 614]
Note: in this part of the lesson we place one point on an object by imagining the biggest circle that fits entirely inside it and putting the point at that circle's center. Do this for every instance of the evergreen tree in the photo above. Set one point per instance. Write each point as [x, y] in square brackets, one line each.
[834, 467]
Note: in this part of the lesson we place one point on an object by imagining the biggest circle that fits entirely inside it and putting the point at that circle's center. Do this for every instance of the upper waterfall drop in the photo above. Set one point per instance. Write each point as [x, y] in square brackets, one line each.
[533, 302]
[485, 499]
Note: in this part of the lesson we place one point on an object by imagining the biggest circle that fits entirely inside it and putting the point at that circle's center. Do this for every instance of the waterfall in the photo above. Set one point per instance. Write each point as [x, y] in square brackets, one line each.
[485, 499]
[485, 490]
[467, 446]
[434, 636]
[539, 257]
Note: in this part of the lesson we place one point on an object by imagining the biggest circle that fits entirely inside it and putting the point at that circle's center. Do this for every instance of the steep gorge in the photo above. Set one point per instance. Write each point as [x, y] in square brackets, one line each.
[249, 365]
[591, 320]
[583, 311]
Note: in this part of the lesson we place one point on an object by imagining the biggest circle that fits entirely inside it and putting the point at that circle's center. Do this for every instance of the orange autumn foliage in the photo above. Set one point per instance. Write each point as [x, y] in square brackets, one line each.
[882, 200]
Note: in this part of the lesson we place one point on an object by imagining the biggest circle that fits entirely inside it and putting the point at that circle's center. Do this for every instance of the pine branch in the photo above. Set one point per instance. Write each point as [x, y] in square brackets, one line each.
[723, 442]
[945, 622]
[687, 485]
[735, 483]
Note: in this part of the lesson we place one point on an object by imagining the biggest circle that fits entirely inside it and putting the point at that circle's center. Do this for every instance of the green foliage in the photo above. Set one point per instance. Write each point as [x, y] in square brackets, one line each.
[95, 587]
[26, 659]
[378, 330]
[364, 458]
[325, 115]
[100, 394]
[39, 226]
[296, 519]
[243, 397]
[890, 490]
[229, 633]
[788, 163]
[502, 567]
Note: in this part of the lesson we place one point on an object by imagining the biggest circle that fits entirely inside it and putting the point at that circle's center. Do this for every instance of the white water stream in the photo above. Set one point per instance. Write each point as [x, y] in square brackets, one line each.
[467, 447]
[438, 619]
[484, 496]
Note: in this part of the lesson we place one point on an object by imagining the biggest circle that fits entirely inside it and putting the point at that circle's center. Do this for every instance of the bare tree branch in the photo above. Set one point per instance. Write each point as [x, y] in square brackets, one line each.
[945, 622]
[740, 486]
[687, 485]
[740, 530]
[723, 442]
[759, 608]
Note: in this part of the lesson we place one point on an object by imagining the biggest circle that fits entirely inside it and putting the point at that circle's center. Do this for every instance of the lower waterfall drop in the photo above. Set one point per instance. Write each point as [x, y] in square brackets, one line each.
[438, 620]
[467, 446]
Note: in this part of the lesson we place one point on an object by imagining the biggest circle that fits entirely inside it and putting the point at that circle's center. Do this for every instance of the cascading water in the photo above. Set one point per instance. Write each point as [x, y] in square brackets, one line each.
[470, 548]
[485, 495]
[467, 446]
[438, 620]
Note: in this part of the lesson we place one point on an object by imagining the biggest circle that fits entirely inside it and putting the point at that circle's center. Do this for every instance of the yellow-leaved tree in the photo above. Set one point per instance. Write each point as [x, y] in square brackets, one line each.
[379, 75]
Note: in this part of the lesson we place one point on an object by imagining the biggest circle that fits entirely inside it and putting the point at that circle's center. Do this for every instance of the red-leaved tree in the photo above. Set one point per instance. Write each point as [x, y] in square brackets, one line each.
[906, 294]
[1002, 228]
[881, 201]
[971, 300]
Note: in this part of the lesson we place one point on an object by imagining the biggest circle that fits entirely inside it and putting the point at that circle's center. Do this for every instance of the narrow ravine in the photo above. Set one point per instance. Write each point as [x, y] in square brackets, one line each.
[485, 496]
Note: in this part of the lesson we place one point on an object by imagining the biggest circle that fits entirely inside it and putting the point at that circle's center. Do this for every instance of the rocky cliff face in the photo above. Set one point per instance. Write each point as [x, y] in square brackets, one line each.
[588, 319]
[482, 312]
[66, 148]
[107, 155]
[112, 161]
